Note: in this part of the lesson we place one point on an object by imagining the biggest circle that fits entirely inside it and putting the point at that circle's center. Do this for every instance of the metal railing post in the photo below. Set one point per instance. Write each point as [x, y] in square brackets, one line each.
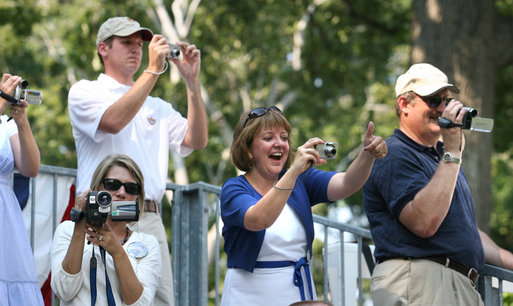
[189, 243]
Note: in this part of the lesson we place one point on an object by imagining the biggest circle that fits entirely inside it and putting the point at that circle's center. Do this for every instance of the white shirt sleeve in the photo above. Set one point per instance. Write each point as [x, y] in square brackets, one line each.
[177, 129]
[11, 126]
[66, 286]
[86, 104]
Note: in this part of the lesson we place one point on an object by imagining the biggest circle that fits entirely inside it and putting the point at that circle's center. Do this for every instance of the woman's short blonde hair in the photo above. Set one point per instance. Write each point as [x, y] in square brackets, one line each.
[245, 131]
[124, 161]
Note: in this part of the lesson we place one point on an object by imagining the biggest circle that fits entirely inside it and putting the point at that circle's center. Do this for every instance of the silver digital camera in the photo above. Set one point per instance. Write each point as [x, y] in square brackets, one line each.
[327, 150]
[174, 52]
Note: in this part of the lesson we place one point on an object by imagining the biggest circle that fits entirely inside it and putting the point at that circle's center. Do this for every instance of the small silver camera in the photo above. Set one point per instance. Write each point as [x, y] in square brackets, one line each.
[174, 52]
[31, 96]
[327, 150]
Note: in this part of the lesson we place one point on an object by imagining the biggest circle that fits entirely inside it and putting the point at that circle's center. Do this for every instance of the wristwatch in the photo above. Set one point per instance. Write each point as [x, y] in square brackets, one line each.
[76, 215]
[448, 157]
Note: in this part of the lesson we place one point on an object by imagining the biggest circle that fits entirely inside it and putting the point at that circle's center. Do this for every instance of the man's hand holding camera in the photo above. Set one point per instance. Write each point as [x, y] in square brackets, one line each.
[453, 137]
[186, 57]
[189, 66]
[158, 50]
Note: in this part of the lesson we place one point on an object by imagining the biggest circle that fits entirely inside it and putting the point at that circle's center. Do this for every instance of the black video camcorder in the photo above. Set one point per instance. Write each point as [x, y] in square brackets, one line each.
[100, 206]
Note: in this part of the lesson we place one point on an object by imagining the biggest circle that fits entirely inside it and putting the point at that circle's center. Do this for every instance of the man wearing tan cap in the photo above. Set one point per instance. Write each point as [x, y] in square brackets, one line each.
[429, 250]
[114, 114]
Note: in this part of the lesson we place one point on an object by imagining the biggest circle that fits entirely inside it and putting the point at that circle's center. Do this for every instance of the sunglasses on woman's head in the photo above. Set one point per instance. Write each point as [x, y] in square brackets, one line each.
[114, 185]
[259, 112]
[435, 100]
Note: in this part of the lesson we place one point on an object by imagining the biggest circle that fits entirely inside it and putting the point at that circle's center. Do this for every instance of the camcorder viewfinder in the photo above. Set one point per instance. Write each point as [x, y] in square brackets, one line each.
[327, 150]
[100, 206]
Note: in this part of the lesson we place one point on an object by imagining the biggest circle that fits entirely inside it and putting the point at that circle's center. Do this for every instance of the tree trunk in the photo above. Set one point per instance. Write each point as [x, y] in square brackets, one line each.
[456, 36]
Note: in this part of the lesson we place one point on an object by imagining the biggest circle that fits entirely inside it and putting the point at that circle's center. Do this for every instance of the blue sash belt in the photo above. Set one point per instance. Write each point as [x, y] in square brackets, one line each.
[297, 279]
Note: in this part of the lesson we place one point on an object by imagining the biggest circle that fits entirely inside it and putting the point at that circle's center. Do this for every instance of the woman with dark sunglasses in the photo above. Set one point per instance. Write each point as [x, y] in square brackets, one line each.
[268, 227]
[106, 262]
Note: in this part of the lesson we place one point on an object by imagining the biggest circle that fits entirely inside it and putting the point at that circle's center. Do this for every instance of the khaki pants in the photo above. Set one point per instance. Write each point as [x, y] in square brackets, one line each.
[419, 282]
[151, 223]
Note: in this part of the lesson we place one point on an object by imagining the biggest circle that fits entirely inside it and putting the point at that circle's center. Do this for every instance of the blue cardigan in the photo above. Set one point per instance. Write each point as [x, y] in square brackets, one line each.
[237, 195]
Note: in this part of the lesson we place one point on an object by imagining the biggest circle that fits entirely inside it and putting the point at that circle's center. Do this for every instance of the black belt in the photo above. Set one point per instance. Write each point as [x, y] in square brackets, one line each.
[469, 272]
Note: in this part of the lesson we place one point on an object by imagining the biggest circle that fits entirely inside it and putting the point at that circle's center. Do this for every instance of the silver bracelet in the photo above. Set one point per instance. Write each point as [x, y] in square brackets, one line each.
[158, 73]
[283, 189]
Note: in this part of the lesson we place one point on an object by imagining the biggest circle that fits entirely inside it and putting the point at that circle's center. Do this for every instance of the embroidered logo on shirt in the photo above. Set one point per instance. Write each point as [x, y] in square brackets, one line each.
[151, 120]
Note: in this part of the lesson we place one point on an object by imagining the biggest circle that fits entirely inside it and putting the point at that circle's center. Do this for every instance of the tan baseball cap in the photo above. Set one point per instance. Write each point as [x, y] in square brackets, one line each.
[424, 80]
[121, 26]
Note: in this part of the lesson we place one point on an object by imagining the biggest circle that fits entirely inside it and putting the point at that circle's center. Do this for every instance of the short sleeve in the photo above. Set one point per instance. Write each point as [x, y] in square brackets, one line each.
[86, 104]
[177, 129]
[236, 199]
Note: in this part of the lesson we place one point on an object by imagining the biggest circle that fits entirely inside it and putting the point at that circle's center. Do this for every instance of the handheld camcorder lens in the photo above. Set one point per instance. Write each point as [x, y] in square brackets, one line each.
[114, 185]
[104, 198]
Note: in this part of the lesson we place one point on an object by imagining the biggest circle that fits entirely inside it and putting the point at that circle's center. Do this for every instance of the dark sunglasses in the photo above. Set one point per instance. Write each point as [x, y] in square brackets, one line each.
[434, 101]
[259, 112]
[114, 185]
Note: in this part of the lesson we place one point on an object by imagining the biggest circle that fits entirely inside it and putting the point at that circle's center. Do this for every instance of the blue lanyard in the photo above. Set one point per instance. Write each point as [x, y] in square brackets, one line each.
[92, 279]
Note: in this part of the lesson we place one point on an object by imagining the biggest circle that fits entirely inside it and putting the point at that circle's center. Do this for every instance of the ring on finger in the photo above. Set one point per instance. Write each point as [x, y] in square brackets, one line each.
[100, 238]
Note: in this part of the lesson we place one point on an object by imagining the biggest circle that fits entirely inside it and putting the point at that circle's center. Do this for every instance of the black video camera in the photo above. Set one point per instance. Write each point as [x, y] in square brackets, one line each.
[467, 118]
[470, 122]
[100, 206]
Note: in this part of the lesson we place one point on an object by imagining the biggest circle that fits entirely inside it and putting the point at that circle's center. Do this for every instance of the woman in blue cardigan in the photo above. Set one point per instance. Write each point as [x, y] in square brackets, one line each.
[268, 227]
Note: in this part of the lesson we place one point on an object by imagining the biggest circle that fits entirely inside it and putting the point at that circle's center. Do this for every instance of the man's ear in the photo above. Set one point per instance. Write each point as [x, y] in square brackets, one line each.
[102, 48]
[403, 104]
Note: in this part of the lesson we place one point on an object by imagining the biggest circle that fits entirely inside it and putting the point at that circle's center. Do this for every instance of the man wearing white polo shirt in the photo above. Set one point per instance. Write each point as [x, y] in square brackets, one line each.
[114, 114]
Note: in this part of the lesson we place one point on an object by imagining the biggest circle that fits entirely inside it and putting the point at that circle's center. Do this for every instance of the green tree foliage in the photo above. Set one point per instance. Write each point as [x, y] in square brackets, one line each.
[502, 167]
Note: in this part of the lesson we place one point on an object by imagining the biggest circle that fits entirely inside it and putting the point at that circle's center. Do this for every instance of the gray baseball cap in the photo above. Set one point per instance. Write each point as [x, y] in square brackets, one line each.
[121, 26]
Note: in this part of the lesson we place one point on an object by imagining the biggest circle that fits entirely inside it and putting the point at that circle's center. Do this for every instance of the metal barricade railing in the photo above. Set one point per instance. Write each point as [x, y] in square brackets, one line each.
[193, 208]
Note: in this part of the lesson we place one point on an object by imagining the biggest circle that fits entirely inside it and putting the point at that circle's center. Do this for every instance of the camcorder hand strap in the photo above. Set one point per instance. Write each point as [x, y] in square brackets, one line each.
[446, 123]
[110, 296]
[92, 278]
[7, 97]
